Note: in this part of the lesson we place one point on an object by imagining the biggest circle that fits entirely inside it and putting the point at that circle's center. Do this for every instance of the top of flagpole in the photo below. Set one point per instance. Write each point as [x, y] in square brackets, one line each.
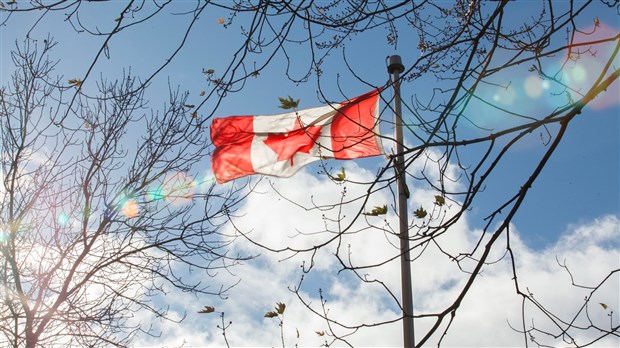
[395, 65]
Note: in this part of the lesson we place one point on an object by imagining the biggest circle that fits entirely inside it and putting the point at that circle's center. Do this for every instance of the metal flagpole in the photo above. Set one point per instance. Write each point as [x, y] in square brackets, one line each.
[395, 68]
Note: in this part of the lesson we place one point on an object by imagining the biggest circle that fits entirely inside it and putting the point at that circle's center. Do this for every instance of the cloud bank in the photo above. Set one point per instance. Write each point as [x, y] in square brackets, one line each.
[560, 277]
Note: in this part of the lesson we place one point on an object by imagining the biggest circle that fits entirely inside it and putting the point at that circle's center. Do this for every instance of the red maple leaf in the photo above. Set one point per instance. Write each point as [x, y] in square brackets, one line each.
[299, 139]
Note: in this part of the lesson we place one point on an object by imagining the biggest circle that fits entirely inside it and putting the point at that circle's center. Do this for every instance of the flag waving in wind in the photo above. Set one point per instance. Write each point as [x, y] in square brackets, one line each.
[280, 145]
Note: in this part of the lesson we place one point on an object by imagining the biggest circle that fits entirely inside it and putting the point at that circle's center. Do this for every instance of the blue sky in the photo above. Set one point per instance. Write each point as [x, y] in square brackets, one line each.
[577, 193]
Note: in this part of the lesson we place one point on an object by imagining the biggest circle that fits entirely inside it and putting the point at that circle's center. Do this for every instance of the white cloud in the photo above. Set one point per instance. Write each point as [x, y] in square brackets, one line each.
[589, 250]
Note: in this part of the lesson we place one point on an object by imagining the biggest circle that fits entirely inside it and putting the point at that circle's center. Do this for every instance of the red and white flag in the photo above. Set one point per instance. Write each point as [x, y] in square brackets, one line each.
[280, 145]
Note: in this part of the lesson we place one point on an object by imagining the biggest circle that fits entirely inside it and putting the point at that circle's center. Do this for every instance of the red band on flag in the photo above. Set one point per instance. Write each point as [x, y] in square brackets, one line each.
[355, 129]
[232, 138]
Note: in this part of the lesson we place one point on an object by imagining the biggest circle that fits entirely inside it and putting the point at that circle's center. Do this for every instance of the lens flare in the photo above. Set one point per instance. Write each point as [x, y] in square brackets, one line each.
[505, 96]
[589, 61]
[156, 195]
[179, 188]
[203, 184]
[3, 233]
[534, 86]
[131, 209]
[578, 73]
[63, 219]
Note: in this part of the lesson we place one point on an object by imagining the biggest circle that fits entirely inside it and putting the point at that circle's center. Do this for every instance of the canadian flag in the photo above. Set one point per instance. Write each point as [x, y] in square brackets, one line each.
[280, 145]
